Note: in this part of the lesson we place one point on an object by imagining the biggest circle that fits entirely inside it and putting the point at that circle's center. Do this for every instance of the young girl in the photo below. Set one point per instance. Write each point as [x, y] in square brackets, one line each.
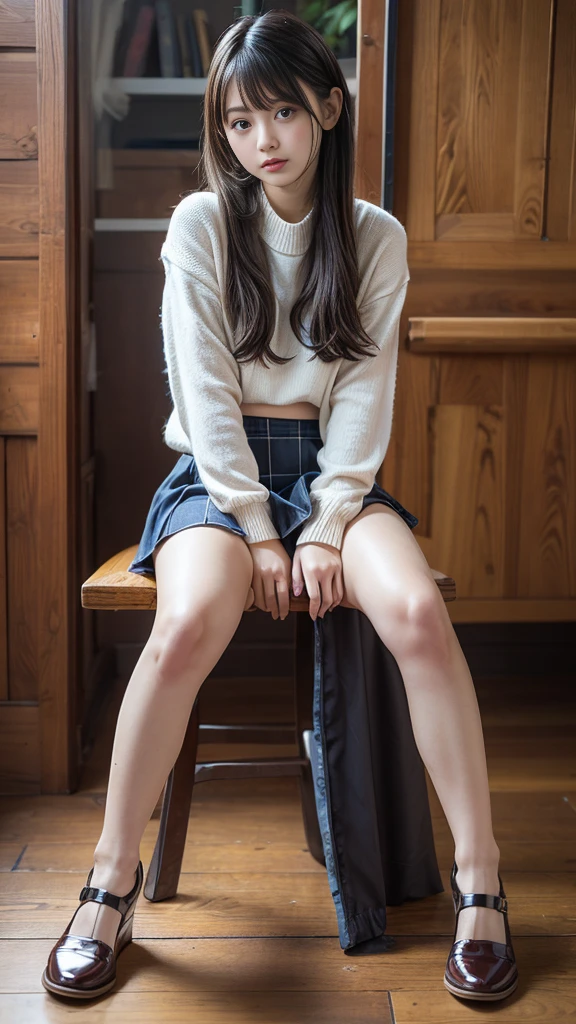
[280, 319]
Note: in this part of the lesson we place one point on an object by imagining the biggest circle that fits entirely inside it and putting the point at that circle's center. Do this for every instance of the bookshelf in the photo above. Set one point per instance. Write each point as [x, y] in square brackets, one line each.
[125, 159]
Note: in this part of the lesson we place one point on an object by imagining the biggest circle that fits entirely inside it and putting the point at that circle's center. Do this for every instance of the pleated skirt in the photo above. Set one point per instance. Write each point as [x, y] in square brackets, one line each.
[369, 780]
[286, 452]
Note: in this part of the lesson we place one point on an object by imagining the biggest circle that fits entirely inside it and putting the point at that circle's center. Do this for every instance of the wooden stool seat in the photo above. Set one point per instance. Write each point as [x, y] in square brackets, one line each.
[114, 588]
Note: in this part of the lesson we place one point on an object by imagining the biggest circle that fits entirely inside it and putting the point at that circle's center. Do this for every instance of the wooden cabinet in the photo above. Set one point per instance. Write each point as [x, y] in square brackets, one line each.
[42, 253]
[484, 437]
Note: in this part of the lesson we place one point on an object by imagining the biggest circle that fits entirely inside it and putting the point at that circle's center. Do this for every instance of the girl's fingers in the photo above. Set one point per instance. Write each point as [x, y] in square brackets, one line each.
[327, 596]
[259, 597]
[270, 597]
[283, 597]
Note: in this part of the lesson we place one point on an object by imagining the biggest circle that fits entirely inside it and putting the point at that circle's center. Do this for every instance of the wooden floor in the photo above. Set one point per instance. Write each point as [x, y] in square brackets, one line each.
[252, 935]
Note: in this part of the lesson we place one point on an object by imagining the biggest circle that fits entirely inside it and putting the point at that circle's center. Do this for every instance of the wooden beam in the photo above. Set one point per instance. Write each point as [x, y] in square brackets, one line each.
[491, 334]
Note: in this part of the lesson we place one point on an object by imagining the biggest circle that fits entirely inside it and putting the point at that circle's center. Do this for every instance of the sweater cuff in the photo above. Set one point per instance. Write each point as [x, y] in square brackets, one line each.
[328, 523]
[256, 521]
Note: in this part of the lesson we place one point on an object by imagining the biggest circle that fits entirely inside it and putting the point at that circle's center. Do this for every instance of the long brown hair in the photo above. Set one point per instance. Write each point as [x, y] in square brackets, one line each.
[266, 54]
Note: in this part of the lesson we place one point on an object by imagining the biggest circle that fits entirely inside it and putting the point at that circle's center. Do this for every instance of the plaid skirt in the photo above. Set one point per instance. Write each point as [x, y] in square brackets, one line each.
[286, 452]
[369, 780]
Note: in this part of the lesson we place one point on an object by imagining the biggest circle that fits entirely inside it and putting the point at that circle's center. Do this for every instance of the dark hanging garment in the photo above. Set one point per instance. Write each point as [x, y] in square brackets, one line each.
[369, 780]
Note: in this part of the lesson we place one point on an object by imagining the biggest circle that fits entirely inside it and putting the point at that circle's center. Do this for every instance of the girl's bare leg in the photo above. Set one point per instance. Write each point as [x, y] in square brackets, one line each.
[388, 578]
[203, 577]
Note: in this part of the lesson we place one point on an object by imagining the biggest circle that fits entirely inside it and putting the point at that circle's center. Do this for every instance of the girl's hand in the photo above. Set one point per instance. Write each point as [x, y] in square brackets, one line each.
[320, 567]
[271, 577]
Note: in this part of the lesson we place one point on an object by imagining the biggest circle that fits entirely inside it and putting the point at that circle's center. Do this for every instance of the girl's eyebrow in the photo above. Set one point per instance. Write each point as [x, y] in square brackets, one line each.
[246, 110]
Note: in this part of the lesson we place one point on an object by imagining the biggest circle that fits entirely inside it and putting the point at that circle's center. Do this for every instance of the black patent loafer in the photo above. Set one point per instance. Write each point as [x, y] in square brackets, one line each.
[479, 968]
[84, 968]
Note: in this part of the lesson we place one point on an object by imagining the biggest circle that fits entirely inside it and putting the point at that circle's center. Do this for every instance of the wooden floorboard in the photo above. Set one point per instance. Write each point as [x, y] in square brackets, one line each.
[252, 936]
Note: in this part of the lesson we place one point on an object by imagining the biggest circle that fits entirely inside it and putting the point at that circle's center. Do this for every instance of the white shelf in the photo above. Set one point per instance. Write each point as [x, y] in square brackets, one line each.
[197, 86]
[131, 224]
[162, 86]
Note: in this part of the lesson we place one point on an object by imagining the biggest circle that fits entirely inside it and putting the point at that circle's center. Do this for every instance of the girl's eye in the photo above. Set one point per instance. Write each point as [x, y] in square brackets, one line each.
[282, 109]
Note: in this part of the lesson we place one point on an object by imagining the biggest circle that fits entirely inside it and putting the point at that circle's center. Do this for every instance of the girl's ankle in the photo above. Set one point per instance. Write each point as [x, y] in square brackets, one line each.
[117, 874]
[478, 860]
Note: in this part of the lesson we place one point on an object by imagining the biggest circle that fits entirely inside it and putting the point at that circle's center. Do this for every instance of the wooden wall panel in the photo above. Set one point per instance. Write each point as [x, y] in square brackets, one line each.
[486, 186]
[17, 23]
[19, 311]
[547, 525]
[493, 66]
[3, 578]
[19, 399]
[58, 442]
[18, 208]
[561, 192]
[369, 101]
[468, 496]
[22, 566]
[18, 105]
[19, 749]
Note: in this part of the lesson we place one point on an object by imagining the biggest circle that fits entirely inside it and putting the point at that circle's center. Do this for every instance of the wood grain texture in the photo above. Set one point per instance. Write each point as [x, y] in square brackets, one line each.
[19, 311]
[3, 578]
[22, 563]
[493, 80]
[547, 554]
[18, 105]
[561, 197]
[490, 334]
[19, 399]
[18, 208]
[370, 100]
[17, 23]
[57, 438]
[19, 749]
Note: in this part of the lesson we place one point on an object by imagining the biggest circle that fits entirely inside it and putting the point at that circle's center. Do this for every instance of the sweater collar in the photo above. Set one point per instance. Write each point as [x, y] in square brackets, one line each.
[281, 235]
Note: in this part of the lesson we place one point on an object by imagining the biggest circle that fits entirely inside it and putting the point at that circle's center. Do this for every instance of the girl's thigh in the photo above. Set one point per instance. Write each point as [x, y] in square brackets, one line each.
[202, 570]
[383, 566]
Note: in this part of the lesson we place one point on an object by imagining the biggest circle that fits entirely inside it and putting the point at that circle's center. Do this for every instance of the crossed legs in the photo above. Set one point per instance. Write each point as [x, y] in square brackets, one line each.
[388, 578]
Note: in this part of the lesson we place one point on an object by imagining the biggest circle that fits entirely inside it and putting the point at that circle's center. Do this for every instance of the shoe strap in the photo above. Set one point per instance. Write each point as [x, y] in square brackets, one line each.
[119, 903]
[481, 899]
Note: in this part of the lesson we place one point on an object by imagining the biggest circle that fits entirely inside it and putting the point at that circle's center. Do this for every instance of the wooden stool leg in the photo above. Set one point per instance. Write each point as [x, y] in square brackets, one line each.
[303, 697]
[164, 870]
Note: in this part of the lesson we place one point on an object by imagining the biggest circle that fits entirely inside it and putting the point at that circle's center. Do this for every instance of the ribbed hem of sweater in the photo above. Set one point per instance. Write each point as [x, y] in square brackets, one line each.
[328, 524]
[256, 521]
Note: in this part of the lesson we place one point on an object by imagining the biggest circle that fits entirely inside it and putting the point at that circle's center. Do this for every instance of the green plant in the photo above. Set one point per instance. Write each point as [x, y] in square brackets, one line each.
[332, 20]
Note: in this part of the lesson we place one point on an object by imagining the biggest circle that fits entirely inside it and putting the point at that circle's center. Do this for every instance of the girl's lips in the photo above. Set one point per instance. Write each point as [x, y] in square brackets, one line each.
[272, 166]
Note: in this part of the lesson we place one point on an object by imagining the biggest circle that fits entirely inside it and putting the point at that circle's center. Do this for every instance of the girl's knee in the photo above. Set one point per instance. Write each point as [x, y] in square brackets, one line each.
[420, 623]
[176, 640]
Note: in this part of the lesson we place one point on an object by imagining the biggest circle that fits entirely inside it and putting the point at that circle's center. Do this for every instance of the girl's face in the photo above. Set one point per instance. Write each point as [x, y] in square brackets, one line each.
[285, 132]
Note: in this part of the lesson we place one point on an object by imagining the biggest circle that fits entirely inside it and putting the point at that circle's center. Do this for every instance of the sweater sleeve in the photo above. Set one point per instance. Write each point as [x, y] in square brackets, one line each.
[361, 406]
[204, 381]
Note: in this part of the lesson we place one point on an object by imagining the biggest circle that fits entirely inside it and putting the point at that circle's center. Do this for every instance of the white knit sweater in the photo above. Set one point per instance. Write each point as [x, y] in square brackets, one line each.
[207, 383]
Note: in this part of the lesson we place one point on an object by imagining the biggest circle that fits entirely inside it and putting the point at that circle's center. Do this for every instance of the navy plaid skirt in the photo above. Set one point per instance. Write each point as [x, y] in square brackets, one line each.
[286, 452]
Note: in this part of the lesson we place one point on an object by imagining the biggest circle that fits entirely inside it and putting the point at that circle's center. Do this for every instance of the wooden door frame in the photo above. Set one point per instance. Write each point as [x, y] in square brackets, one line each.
[57, 583]
[370, 70]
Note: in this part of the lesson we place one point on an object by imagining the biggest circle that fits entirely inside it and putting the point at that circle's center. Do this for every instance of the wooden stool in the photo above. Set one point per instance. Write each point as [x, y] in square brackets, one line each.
[114, 588]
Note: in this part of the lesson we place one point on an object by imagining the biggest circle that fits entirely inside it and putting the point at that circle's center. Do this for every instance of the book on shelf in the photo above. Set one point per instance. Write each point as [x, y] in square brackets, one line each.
[193, 48]
[157, 42]
[201, 25]
[169, 49]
